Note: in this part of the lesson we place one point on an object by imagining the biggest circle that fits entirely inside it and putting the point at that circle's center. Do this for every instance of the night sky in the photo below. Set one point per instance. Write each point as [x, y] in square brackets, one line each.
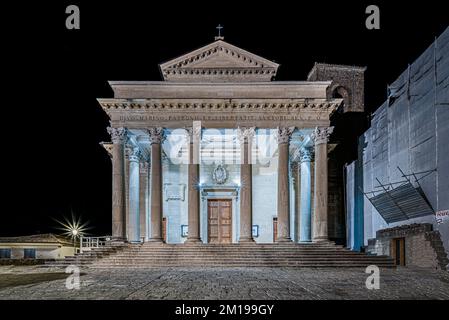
[52, 161]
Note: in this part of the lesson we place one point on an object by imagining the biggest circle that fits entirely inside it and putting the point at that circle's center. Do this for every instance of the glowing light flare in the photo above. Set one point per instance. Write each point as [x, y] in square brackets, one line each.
[74, 227]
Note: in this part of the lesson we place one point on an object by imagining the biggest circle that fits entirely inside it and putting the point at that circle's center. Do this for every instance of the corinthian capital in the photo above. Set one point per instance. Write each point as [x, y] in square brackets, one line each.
[246, 134]
[321, 135]
[133, 153]
[156, 134]
[193, 133]
[305, 155]
[118, 135]
[284, 134]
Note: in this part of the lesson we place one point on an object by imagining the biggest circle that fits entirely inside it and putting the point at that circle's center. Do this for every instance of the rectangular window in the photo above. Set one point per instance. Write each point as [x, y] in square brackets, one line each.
[5, 253]
[29, 253]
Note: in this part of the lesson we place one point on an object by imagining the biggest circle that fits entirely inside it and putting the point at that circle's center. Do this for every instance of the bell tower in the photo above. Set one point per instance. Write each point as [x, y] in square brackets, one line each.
[347, 83]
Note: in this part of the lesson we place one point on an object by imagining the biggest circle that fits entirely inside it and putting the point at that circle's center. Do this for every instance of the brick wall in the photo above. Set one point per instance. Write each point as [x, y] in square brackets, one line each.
[423, 245]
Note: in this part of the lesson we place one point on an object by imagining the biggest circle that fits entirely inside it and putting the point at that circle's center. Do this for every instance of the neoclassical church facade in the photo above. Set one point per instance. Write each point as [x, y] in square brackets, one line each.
[219, 152]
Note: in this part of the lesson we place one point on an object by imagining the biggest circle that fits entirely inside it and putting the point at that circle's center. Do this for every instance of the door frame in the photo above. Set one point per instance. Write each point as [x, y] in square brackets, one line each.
[395, 254]
[232, 212]
[225, 193]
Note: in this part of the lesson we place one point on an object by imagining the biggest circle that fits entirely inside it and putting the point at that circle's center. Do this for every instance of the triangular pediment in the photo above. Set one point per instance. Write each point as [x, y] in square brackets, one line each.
[220, 62]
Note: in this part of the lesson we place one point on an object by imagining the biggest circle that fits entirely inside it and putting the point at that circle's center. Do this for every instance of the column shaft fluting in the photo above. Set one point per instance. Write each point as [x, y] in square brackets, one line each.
[246, 176]
[320, 219]
[283, 199]
[156, 138]
[305, 202]
[194, 136]
[134, 194]
[118, 136]
[294, 167]
[143, 208]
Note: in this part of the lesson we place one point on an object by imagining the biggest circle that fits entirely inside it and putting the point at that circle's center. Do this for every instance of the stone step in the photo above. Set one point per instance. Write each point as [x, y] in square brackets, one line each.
[222, 259]
[229, 255]
[151, 253]
[238, 247]
[165, 258]
[237, 264]
[235, 250]
[238, 256]
[186, 247]
[246, 257]
[259, 265]
[228, 246]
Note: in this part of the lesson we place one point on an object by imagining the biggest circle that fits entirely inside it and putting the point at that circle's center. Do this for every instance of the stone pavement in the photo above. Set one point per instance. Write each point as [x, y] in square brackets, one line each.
[223, 283]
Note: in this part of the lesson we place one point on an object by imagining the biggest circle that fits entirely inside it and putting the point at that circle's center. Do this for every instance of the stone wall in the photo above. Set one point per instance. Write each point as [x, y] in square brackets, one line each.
[336, 213]
[423, 246]
[348, 83]
[175, 202]
[265, 199]
[42, 253]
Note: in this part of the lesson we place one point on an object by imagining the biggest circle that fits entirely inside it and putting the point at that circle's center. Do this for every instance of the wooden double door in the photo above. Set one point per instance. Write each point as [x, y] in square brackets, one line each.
[219, 217]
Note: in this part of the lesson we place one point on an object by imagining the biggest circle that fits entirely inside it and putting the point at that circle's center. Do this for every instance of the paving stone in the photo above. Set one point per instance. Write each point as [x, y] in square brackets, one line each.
[226, 283]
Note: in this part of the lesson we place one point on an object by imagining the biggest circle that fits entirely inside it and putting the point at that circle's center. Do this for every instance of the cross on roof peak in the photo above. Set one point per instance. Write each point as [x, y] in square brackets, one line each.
[219, 37]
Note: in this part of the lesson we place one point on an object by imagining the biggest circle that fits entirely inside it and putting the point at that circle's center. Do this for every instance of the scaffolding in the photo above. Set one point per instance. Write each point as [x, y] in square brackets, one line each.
[401, 200]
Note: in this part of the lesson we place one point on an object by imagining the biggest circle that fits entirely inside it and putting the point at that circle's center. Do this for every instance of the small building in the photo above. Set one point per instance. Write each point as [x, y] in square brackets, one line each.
[36, 247]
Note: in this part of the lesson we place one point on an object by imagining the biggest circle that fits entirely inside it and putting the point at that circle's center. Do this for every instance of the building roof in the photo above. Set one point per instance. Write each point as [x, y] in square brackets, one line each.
[328, 66]
[219, 61]
[38, 238]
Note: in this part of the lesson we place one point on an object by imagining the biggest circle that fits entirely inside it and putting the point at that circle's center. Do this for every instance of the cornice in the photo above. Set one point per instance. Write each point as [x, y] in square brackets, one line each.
[192, 105]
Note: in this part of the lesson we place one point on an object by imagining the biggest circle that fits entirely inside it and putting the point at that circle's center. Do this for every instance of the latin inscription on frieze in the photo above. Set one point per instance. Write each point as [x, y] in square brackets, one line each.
[216, 118]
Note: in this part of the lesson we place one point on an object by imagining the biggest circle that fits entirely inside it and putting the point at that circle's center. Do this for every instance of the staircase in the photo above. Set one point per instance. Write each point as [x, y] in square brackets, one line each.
[434, 238]
[88, 257]
[150, 255]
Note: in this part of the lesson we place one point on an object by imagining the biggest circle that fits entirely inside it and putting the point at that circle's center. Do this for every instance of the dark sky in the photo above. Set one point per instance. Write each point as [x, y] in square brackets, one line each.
[52, 160]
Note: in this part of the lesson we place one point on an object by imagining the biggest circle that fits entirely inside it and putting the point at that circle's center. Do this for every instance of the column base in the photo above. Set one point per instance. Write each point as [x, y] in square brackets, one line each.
[320, 239]
[287, 239]
[156, 240]
[193, 240]
[246, 240]
[118, 240]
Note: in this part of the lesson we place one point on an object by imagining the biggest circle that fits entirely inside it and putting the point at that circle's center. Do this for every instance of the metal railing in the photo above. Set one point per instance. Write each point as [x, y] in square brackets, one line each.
[87, 243]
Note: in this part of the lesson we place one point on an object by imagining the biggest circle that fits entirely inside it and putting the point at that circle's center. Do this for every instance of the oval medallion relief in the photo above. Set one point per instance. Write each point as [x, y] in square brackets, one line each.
[220, 174]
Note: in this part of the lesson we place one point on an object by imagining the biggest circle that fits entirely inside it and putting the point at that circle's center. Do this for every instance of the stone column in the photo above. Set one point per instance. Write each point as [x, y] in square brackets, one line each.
[143, 189]
[283, 201]
[306, 192]
[156, 139]
[194, 140]
[246, 136]
[294, 168]
[320, 136]
[118, 136]
[133, 154]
